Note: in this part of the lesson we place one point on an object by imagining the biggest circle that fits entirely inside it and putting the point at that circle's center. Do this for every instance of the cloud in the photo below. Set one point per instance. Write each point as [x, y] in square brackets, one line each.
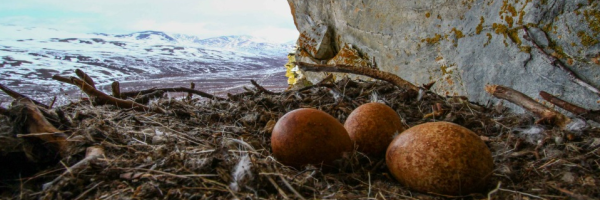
[276, 34]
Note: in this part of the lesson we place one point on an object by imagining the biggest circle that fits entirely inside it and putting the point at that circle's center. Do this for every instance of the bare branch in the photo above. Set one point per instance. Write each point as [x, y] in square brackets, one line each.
[179, 89]
[116, 89]
[262, 89]
[83, 76]
[192, 86]
[102, 98]
[545, 114]
[588, 114]
[17, 95]
[373, 73]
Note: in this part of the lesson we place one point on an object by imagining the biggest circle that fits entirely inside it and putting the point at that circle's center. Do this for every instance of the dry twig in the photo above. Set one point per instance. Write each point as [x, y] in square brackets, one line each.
[116, 89]
[101, 98]
[544, 113]
[262, 89]
[373, 73]
[17, 95]
[192, 86]
[83, 76]
[178, 89]
[588, 114]
[557, 63]
[91, 154]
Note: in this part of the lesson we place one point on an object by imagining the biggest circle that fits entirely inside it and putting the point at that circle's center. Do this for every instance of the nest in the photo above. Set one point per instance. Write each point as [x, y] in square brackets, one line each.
[220, 149]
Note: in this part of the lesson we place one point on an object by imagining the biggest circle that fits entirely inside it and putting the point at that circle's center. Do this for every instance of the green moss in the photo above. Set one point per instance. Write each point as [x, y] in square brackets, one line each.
[480, 25]
[586, 40]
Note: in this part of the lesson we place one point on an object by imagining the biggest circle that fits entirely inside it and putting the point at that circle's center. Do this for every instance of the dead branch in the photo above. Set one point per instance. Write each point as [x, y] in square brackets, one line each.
[569, 193]
[557, 63]
[101, 98]
[587, 114]
[17, 95]
[116, 89]
[29, 122]
[235, 97]
[91, 154]
[545, 114]
[144, 99]
[83, 76]
[262, 89]
[192, 86]
[52, 103]
[373, 73]
[179, 89]
[428, 85]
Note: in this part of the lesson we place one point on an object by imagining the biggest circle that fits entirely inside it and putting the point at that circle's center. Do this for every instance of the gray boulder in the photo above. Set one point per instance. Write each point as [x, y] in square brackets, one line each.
[463, 45]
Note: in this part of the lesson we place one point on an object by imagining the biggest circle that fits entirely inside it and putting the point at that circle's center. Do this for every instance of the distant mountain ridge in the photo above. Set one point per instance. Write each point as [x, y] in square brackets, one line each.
[149, 35]
[242, 43]
[30, 56]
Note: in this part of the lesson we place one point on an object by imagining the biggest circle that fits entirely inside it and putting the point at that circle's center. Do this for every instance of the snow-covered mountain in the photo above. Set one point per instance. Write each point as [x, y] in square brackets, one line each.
[148, 36]
[30, 56]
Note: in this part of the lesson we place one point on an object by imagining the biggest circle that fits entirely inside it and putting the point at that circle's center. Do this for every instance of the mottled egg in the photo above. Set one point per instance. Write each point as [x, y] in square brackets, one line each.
[442, 158]
[309, 136]
[372, 127]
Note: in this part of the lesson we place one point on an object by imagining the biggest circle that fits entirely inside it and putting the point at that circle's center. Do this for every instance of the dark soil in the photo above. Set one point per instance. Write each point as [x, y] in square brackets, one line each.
[196, 153]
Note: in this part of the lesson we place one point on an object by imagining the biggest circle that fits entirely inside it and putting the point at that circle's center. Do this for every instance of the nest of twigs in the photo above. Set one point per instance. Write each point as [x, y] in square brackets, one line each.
[220, 149]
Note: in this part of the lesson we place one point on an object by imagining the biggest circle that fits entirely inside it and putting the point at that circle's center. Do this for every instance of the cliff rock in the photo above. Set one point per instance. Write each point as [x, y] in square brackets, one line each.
[463, 45]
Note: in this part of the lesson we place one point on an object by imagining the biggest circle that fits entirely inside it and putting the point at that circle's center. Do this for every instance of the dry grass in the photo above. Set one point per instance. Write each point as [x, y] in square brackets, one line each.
[221, 150]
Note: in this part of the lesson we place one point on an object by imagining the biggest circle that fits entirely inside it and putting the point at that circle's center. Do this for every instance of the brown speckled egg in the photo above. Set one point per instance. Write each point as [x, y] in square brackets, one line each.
[372, 127]
[441, 158]
[309, 136]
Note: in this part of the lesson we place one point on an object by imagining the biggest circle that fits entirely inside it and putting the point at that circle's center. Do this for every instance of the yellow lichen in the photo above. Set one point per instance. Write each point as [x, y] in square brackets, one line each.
[489, 39]
[480, 25]
[526, 49]
[432, 40]
[427, 14]
[586, 40]
[349, 56]
[593, 19]
[458, 33]
[513, 34]
[509, 21]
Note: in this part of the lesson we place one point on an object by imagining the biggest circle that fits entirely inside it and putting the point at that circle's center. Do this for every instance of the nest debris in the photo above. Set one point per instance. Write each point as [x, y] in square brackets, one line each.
[220, 149]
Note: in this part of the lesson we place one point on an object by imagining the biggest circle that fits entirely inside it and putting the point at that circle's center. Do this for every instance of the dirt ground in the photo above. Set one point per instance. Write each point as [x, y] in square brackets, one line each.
[211, 149]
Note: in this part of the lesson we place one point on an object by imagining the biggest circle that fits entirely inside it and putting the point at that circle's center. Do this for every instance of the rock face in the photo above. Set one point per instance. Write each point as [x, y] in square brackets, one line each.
[463, 45]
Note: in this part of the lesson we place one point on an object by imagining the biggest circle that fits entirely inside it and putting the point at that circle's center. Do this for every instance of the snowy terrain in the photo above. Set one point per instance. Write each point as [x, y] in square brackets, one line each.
[31, 56]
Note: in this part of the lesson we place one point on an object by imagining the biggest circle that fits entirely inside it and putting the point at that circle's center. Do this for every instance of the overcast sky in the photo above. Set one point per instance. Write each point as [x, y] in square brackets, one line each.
[269, 19]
